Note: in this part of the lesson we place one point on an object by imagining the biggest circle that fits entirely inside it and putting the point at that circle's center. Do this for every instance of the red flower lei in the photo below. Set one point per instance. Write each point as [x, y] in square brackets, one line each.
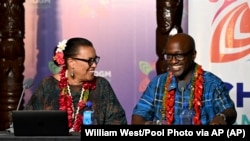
[66, 103]
[195, 97]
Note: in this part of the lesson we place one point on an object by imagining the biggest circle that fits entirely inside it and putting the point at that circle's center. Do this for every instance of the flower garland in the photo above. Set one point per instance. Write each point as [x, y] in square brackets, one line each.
[66, 104]
[65, 97]
[195, 97]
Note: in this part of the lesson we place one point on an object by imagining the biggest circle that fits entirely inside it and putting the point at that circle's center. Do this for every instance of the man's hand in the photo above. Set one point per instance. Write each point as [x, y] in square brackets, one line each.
[218, 120]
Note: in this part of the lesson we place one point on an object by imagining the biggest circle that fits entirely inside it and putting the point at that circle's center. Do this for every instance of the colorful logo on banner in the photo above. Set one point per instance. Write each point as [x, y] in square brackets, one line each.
[231, 37]
[147, 73]
[231, 42]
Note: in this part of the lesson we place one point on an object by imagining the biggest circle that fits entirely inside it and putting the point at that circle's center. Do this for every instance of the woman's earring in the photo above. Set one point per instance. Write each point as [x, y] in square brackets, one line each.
[72, 73]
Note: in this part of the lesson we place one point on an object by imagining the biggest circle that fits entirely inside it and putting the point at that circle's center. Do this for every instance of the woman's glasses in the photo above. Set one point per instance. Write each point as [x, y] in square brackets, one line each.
[90, 61]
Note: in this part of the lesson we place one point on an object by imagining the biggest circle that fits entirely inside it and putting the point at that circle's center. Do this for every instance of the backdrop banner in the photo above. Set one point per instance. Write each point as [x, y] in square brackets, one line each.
[123, 33]
[222, 33]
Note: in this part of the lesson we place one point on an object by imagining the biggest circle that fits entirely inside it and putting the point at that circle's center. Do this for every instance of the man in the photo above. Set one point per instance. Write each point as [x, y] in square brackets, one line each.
[185, 81]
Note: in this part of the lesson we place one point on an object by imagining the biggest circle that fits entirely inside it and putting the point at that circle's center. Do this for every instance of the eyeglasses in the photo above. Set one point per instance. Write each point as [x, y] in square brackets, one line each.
[178, 57]
[91, 61]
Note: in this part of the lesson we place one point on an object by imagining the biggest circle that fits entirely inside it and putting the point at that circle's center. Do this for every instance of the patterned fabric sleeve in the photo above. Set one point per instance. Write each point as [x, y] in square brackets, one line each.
[150, 102]
[222, 99]
[216, 97]
[45, 96]
[108, 109]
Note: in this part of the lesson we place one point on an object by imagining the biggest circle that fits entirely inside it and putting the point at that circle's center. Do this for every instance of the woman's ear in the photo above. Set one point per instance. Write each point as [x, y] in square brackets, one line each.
[71, 62]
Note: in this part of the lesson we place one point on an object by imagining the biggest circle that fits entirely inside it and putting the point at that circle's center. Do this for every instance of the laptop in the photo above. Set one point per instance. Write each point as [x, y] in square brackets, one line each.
[40, 123]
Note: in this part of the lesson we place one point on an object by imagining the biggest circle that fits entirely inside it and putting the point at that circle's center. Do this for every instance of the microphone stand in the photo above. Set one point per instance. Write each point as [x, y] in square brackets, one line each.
[182, 95]
[26, 84]
[181, 86]
[20, 100]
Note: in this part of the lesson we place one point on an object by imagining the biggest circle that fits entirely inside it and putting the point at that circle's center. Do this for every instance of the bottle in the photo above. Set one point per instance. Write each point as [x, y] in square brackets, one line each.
[186, 115]
[88, 114]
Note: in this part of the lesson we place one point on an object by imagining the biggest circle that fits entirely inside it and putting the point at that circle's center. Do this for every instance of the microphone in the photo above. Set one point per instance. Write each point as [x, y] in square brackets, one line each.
[181, 86]
[26, 84]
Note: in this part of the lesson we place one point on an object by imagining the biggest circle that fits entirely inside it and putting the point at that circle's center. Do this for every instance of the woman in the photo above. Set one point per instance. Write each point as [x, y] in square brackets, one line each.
[75, 85]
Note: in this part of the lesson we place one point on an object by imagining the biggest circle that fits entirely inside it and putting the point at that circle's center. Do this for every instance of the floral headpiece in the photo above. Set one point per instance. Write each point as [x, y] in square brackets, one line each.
[58, 57]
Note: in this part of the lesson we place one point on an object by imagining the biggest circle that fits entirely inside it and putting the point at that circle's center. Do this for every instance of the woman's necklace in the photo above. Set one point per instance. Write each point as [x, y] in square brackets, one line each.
[66, 102]
[196, 92]
[74, 116]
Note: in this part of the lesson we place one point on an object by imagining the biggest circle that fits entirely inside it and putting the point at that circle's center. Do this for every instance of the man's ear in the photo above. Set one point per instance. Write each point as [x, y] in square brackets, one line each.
[194, 55]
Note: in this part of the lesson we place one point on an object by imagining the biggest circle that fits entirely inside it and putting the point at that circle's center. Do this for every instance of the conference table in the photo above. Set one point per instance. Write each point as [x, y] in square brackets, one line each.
[6, 136]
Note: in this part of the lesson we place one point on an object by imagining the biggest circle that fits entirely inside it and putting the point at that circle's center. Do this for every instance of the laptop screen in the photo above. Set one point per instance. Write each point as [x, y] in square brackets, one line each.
[40, 123]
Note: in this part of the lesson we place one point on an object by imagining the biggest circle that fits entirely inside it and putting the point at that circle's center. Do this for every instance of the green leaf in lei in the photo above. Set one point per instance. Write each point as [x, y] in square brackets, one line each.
[53, 67]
